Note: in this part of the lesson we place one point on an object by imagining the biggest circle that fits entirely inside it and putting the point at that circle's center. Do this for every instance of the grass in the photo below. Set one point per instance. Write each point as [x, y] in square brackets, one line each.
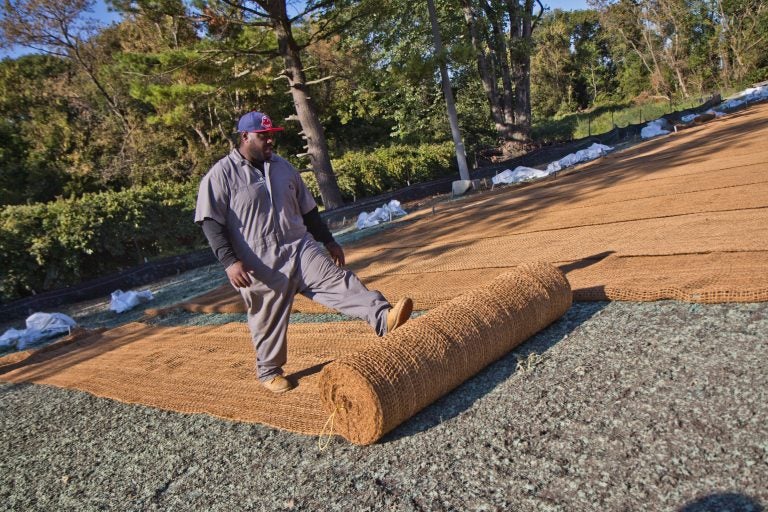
[603, 118]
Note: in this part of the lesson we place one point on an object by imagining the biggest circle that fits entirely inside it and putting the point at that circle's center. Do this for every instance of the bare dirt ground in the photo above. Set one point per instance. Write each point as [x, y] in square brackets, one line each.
[617, 406]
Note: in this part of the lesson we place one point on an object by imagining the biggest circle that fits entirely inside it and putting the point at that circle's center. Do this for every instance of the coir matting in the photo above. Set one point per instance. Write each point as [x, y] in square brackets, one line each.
[347, 380]
[679, 217]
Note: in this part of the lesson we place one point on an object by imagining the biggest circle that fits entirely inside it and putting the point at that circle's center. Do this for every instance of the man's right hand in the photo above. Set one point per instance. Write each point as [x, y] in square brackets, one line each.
[238, 276]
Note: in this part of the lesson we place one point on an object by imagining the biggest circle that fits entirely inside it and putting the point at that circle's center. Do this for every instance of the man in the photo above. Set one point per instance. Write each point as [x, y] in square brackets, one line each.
[260, 220]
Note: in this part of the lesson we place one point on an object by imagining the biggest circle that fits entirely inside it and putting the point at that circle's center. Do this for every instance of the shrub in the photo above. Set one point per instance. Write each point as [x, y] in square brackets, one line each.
[363, 174]
[603, 118]
[46, 246]
[551, 131]
[50, 245]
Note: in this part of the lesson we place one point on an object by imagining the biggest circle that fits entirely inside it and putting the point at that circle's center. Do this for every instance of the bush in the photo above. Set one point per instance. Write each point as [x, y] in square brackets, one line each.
[51, 245]
[47, 246]
[363, 174]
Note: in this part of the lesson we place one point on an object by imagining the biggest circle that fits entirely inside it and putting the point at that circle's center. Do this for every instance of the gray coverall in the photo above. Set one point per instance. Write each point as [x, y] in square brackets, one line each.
[262, 214]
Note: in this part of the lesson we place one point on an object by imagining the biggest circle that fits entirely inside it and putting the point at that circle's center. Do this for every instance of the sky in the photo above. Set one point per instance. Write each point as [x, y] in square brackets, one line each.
[566, 5]
[102, 14]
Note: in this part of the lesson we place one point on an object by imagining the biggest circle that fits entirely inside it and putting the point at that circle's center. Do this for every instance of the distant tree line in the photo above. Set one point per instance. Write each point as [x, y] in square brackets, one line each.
[155, 97]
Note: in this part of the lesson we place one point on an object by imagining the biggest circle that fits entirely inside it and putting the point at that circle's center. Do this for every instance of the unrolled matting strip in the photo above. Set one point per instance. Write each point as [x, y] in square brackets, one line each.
[627, 204]
[210, 369]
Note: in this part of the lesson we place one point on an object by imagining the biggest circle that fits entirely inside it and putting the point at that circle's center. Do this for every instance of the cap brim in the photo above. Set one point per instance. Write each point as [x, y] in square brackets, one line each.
[275, 129]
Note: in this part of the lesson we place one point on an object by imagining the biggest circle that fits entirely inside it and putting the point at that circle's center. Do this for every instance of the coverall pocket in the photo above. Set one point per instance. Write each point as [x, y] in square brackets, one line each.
[246, 197]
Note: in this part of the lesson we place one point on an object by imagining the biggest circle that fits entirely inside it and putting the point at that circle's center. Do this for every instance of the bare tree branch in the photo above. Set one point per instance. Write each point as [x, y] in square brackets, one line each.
[243, 8]
[311, 8]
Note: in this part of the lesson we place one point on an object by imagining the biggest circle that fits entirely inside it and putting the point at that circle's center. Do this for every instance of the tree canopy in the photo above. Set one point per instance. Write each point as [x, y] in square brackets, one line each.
[156, 96]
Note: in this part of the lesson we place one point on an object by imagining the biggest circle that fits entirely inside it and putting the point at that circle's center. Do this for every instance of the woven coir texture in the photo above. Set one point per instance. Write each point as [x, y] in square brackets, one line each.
[372, 391]
[225, 299]
[195, 369]
[420, 287]
[705, 278]
[681, 216]
[211, 369]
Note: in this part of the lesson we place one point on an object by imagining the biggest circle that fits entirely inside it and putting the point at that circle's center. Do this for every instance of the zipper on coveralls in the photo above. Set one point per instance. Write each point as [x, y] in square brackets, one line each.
[271, 203]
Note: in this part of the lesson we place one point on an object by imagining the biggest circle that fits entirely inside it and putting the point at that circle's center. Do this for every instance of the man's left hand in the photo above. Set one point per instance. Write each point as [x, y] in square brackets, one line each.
[336, 252]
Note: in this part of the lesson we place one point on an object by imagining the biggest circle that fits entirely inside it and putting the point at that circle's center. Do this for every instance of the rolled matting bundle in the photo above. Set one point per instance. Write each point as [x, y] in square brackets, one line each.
[369, 393]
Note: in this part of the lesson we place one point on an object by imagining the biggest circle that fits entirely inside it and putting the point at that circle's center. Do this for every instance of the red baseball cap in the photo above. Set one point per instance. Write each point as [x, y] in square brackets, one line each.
[256, 122]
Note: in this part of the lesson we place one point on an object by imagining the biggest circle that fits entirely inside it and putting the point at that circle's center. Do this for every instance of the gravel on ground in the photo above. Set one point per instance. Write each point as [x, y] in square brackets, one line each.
[617, 406]
[658, 406]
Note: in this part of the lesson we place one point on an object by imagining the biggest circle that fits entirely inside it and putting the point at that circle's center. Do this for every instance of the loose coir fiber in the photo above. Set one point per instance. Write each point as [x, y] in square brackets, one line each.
[374, 385]
[371, 392]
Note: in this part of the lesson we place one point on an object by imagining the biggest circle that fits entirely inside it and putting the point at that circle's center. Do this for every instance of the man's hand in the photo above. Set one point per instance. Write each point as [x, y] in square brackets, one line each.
[336, 252]
[238, 276]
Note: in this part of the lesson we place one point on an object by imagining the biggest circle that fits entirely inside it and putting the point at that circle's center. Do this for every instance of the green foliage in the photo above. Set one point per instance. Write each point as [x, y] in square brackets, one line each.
[633, 78]
[47, 246]
[603, 118]
[553, 130]
[477, 130]
[363, 174]
[572, 68]
[386, 76]
[757, 75]
[37, 134]
[552, 68]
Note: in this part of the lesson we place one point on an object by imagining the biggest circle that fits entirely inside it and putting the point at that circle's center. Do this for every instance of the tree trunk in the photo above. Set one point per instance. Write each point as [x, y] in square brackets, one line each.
[306, 111]
[453, 119]
[203, 138]
[520, 29]
[487, 76]
[500, 49]
[658, 82]
[521, 76]
[725, 60]
[681, 81]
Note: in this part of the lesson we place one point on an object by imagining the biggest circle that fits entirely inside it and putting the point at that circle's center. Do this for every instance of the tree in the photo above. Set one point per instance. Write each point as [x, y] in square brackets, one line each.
[352, 104]
[44, 128]
[182, 90]
[461, 156]
[187, 89]
[274, 15]
[628, 21]
[689, 46]
[499, 103]
[501, 33]
[397, 84]
[61, 29]
[593, 68]
[551, 67]
[742, 37]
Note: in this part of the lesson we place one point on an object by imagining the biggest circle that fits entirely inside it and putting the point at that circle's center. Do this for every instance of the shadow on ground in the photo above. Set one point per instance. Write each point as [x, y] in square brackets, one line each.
[463, 397]
[722, 502]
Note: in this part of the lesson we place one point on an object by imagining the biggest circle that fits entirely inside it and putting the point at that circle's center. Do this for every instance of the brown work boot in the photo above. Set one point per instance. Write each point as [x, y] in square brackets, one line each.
[399, 314]
[278, 384]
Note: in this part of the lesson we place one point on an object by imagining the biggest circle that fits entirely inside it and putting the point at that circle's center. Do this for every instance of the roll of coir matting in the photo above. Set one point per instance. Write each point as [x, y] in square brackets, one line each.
[370, 392]
[373, 385]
